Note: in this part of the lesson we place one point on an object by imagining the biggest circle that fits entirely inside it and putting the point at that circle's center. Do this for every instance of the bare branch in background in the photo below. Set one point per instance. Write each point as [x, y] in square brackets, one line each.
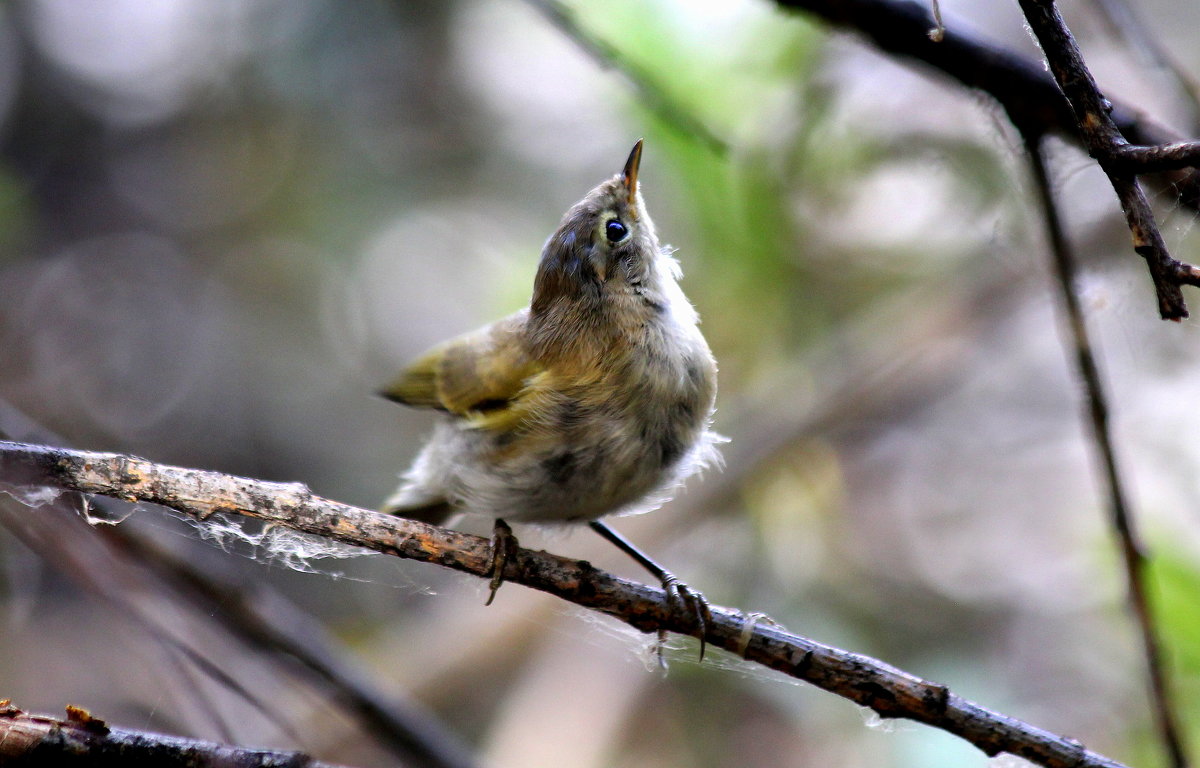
[1020, 84]
[652, 94]
[1105, 142]
[1036, 106]
[1102, 138]
[269, 623]
[888, 691]
[1132, 554]
[81, 739]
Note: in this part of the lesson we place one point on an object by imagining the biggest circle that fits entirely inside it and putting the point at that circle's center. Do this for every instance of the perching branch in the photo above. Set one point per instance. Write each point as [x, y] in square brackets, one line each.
[200, 494]
[133, 574]
[1132, 554]
[36, 740]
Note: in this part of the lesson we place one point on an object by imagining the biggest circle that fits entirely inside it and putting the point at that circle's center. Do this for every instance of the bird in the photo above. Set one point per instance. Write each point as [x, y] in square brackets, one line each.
[596, 400]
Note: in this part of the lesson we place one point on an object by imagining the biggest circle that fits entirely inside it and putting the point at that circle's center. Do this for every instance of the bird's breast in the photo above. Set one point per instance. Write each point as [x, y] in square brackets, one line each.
[599, 429]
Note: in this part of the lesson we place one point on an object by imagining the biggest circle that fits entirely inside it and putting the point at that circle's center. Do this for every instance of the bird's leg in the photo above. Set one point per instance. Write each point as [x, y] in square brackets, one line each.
[676, 590]
[504, 545]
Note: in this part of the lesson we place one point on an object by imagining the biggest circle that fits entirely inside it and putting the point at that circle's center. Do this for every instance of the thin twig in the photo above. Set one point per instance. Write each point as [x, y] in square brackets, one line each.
[1102, 139]
[1132, 554]
[1132, 158]
[200, 494]
[610, 57]
[81, 739]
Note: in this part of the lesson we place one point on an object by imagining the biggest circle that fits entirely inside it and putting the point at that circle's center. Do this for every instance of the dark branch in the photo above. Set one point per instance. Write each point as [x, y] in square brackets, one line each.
[888, 691]
[1018, 83]
[1103, 139]
[1132, 554]
[1162, 157]
[37, 740]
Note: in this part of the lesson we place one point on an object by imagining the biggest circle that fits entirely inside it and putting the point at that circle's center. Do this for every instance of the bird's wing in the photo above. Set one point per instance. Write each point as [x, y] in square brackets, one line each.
[473, 375]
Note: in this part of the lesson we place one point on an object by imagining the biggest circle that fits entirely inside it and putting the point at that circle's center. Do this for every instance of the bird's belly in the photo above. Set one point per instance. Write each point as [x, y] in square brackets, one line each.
[580, 462]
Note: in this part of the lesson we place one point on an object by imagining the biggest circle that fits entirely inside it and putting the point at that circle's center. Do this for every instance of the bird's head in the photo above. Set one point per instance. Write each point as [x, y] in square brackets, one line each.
[604, 251]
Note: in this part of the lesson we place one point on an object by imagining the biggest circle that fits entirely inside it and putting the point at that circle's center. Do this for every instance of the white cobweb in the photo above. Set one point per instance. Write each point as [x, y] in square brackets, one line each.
[31, 495]
[266, 543]
[274, 544]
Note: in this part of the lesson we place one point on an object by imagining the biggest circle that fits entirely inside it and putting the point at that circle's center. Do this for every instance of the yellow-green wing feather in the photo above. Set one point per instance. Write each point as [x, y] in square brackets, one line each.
[478, 373]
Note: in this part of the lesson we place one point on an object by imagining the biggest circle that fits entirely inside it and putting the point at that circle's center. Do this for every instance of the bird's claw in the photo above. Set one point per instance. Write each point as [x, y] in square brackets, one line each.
[504, 545]
[689, 600]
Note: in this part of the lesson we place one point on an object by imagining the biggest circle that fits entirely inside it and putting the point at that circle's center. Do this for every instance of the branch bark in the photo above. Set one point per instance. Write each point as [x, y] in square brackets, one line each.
[890, 692]
[1131, 158]
[82, 740]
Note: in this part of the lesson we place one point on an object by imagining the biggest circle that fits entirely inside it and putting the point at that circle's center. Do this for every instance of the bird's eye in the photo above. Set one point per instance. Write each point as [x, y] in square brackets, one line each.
[615, 231]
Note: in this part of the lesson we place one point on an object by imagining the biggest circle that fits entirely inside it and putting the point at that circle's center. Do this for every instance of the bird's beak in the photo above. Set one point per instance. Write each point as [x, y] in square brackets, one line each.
[629, 175]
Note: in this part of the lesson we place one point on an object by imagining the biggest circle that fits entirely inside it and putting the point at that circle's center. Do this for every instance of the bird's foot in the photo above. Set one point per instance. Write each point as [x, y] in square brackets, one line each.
[504, 546]
[691, 601]
[678, 593]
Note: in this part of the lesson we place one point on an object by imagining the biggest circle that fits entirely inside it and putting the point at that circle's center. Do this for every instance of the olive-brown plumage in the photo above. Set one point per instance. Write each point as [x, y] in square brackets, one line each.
[595, 400]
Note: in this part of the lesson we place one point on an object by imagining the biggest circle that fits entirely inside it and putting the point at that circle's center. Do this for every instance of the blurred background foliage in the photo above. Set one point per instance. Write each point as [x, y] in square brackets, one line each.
[224, 223]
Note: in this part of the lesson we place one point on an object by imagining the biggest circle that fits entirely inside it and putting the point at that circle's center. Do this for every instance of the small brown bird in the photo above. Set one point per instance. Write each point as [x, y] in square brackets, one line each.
[596, 400]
